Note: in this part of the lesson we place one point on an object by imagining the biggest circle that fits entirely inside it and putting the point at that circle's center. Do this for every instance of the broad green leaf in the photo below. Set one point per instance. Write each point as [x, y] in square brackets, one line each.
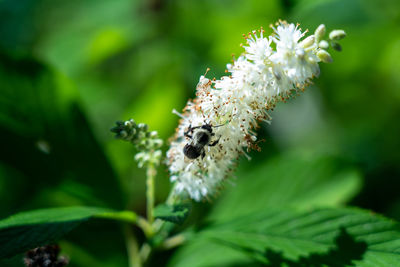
[300, 179]
[205, 253]
[27, 230]
[319, 237]
[175, 213]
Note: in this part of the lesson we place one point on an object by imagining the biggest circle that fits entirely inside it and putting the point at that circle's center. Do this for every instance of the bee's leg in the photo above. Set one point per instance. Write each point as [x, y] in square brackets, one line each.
[189, 130]
[203, 154]
[214, 143]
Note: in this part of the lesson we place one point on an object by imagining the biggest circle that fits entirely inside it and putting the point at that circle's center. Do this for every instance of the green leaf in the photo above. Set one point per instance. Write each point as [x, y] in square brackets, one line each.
[54, 150]
[27, 230]
[176, 213]
[204, 253]
[298, 179]
[329, 236]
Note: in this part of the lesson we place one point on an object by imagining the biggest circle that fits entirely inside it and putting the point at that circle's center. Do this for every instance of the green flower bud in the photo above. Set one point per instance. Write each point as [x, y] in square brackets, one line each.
[324, 56]
[122, 134]
[320, 32]
[336, 46]
[337, 35]
[153, 134]
[309, 41]
[143, 127]
[323, 44]
[146, 142]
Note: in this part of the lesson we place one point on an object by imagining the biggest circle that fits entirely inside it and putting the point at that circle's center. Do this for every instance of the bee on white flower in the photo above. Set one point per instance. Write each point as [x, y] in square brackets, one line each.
[259, 78]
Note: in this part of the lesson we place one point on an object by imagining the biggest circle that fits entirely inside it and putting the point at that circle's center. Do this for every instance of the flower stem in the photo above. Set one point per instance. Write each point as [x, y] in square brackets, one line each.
[146, 227]
[132, 247]
[151, 173]
[145, 251]
[174, 241]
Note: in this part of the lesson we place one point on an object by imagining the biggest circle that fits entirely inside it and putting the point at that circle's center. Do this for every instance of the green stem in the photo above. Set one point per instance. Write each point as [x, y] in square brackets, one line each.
[151, 173]
[172, 197]
[145, 251]
[145, 226]
[132, 247]
[130, 217]
[172, 242]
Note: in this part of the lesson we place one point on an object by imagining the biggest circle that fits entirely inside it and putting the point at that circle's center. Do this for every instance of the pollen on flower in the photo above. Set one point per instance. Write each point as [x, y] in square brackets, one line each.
[228, 110]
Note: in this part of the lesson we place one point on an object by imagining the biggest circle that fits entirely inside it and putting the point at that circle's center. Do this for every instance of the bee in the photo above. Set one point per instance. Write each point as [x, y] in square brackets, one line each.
[200, 137]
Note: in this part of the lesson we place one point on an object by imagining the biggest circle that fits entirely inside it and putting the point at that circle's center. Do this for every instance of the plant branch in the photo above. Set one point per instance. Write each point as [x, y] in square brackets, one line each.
[145, 251]
[151, 173]
[147, 228]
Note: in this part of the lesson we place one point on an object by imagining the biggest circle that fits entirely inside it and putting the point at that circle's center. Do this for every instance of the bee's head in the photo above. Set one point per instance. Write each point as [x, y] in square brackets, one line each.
[207, 127]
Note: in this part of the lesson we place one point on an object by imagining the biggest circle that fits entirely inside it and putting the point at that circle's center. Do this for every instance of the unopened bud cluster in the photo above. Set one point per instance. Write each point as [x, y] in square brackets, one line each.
[323, 45]
[146, 142]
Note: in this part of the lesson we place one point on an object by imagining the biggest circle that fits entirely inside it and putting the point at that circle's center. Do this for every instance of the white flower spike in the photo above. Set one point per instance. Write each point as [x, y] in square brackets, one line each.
[259, 78]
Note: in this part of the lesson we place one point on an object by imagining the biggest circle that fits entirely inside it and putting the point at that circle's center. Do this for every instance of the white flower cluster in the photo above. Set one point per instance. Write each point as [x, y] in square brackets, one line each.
[259, 78]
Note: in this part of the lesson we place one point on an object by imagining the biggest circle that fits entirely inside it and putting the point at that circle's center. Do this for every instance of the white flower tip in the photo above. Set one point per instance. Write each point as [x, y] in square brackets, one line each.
[177, 113]
[300, 53]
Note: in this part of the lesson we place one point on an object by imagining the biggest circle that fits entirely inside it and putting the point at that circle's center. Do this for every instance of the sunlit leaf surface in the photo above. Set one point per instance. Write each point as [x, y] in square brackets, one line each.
[320, 237]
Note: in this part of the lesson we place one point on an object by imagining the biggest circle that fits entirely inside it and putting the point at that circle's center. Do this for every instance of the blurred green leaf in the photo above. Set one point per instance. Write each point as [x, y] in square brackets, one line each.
[172, 213]
[80, 34]
[80, 256]
[27, 230]
[46, 137]
[301, 179]
[319, 237]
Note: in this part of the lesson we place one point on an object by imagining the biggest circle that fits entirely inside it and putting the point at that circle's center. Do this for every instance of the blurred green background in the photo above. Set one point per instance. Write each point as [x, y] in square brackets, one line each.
[70, 69]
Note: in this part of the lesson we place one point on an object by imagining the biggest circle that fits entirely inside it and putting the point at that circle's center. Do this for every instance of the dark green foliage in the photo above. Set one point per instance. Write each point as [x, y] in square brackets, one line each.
[27, 230]
[47, 137]
[30, 229]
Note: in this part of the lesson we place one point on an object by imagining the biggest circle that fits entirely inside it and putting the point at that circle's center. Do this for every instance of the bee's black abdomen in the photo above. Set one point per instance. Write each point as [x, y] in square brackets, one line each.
[191, 152]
